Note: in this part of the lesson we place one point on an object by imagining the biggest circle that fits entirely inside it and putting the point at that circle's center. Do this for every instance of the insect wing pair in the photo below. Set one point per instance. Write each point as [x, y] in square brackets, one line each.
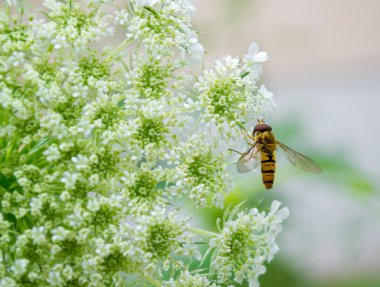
[251, 159]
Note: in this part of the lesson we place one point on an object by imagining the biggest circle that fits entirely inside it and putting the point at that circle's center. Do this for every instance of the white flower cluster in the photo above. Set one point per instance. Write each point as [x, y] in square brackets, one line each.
[245, 243]
[163, 27]
[188, 280]
[229, 92]
[99, 145]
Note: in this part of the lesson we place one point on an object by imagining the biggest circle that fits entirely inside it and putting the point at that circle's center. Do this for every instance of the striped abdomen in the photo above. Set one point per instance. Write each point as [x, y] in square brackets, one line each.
[268, 167]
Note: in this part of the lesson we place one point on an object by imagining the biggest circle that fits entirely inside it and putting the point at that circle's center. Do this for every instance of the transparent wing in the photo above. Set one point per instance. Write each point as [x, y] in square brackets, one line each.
[300, 160]
[249, 160]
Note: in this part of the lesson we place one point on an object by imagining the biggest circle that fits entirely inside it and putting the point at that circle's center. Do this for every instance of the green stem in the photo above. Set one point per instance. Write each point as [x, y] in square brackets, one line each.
[202, 232]
[118, 49]
[49, 51]
[195, 125]
[151, 11]
[244, 74]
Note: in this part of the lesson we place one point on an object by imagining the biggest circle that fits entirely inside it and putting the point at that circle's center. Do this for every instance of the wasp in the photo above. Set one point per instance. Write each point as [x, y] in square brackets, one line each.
[263, 150]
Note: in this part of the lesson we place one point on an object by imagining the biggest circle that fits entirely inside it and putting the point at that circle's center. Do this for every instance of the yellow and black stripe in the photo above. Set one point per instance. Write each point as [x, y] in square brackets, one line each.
[268, 167]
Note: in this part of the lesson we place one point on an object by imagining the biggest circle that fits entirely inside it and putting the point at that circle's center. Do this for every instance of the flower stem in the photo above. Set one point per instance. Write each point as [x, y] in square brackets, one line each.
[202, 232]
[195, 125]
[118, 49]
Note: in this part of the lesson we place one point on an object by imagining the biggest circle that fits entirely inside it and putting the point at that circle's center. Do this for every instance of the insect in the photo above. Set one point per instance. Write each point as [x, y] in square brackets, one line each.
[263, 149]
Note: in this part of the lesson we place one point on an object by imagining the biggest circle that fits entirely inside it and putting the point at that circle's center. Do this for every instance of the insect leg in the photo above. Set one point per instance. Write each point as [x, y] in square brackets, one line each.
[235, 151]
[245, 134]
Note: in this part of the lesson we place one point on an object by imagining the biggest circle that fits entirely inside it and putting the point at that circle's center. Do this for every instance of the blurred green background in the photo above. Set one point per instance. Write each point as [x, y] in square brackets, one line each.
[323, 68]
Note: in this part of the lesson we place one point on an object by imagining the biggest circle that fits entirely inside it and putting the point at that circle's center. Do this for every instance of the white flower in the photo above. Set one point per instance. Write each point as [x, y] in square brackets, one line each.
[7, 282]
[69, 179]
[52, 153]
[161, 30]
[4, 224]
[83, 234]
[196, 53]
[79, 217]
[36, 206]
[189, 6]
[55, 278]
[81, 162]
[103, 249]
[53, 5]
[188, 279]
[19, 267]
[121, 17]
[17, 58]
[254, 56]
[263, 101]
[68, 272]
[245, 243]
[141, 3]
[202, 173]
[37, 235]
[282, 213]
[59, 234]
[65, 195]
[60, 42]
[253, 61]
[223, 94]
[93, 205]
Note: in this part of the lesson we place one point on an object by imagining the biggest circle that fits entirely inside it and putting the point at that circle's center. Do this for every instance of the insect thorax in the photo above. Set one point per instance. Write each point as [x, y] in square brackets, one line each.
[267, 140]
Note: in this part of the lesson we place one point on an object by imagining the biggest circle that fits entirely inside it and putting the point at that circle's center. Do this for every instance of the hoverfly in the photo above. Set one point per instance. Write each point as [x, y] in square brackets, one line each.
[262, 150]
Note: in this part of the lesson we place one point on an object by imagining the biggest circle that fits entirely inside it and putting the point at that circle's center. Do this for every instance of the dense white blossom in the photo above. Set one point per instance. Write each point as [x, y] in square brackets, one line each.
[245, 243]
[100, 146]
